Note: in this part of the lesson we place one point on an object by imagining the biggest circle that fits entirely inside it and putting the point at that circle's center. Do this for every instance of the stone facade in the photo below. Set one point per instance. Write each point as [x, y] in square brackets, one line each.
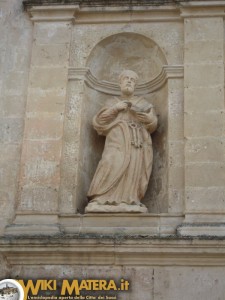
[59, 63]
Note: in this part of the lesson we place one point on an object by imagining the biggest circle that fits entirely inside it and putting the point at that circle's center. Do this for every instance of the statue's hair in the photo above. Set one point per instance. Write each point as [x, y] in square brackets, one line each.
[124, 72]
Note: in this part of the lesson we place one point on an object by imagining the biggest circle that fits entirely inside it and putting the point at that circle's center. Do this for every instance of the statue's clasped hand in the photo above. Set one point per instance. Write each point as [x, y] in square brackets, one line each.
[122, 105]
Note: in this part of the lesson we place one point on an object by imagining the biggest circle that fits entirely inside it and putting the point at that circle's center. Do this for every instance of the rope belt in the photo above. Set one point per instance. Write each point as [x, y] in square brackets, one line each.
[136, 136]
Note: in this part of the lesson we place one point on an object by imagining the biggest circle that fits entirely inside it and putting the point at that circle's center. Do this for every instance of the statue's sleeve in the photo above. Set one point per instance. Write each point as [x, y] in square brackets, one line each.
[105, 118]
[152, 125]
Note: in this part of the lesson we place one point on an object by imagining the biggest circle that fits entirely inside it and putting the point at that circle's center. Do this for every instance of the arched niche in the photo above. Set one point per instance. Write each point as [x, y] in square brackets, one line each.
[126, 51]
[106, 61]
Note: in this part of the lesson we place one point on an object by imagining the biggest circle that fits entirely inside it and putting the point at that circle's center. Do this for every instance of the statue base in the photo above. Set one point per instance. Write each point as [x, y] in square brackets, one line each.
[94, 207]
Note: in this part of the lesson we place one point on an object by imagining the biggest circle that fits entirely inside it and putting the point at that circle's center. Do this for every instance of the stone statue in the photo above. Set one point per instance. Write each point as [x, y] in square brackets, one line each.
[123, 173]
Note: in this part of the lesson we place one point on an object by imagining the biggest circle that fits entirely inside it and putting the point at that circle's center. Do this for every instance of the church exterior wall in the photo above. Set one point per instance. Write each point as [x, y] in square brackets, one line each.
[59, 62]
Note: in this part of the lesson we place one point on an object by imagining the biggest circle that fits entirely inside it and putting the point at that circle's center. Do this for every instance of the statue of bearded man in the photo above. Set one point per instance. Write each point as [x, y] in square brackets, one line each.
[123, 173]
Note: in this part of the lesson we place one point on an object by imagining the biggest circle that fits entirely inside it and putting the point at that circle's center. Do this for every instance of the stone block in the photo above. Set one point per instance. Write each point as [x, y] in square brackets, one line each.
[42, 199]
[208, 149]
[21, 36]
[17, 58]
[1, 89]
[2, 55]
[203, 29]
[50, 55]
[11, 130]
[9, 153]
[205, 175]
[50, 100]
[174, 53]
[205, 229]
[205, 219]
[4, 267]
[175, 200]
[41, 163]
[115, 220]
[198, 283]
[67, 197]
[52, 33]
[205, 124]
[210, 199]
[8, 174]
[176, 177]
[22, 56]
[208, 98]
[142, 283]
[176, 127]
[46, 78]
[13, 106]
[44, 128]
[29, 218]
[49, 150]
[203, 75]
[42, 172]
[204, 52]
[176, 153]
[15, 83]
[175, 102]
[7, 203]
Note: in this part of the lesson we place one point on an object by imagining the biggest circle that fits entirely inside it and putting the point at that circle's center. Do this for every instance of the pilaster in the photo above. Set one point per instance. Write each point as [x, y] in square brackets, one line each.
[204, 119]
[39, 182]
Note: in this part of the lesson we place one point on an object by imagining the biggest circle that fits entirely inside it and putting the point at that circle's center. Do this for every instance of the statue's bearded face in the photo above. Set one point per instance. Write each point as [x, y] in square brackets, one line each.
[127, 84]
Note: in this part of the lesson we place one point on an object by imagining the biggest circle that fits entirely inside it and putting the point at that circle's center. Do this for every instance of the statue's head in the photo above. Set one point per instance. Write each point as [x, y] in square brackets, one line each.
[128, 80]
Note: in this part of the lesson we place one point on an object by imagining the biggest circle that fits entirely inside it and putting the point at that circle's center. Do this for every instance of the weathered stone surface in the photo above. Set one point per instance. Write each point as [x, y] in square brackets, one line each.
[208, 149]
[204, 123]
[170, 283]
[208, 98]
[15, 49]
[55, 33]
[60, 150]
[211, 198]
[28, 3]
[203, 29]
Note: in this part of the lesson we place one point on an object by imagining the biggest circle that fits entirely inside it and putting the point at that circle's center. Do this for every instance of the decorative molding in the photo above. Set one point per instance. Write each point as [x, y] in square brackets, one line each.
[94, 12]
[204, 3]
[201, 229]
[120, 11]
[145, 251]
[103, 3]
[112, 88]
[121, 223]
[140, 14]
[30, 224]
[202, 9]
[53, 13]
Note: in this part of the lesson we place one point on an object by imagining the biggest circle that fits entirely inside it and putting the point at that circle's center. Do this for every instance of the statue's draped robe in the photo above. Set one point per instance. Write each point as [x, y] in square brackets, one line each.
[123, 172]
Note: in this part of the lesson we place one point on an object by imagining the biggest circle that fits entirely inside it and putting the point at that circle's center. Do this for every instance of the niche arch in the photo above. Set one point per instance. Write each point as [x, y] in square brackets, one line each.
[126, 51]
[105, 62]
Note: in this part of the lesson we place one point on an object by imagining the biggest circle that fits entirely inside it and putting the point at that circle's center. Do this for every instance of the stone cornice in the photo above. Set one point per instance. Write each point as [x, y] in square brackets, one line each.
[53, 13]
[142, 251]
[202, 9]
[94, 3]
[112, 88]
[102, 14]
[107, 11]
[126, 3]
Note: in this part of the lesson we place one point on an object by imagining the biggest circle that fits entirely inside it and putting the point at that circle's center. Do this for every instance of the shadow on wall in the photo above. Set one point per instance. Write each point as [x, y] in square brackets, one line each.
[106, 61]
